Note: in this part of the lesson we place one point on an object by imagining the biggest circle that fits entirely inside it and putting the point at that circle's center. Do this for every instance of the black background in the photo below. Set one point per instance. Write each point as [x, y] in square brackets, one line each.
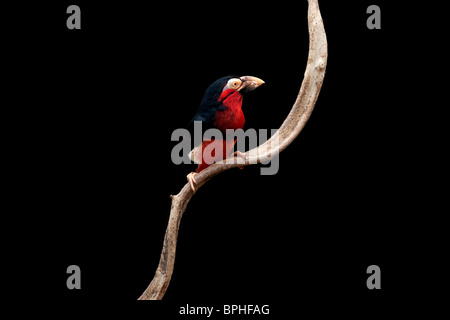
[106, 99]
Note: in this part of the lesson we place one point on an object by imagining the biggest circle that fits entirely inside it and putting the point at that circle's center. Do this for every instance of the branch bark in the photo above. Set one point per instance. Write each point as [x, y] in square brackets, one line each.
[289, 130]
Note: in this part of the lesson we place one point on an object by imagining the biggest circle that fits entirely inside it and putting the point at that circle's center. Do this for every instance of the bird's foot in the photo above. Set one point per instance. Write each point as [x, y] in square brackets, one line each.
[240, 155]
[191, 180]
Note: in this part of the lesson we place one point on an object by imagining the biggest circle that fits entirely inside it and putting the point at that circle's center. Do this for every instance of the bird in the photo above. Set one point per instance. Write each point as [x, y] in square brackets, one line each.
[220, 108]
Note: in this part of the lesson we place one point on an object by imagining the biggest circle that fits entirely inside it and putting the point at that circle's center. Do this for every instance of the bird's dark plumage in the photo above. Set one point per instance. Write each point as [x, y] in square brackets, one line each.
[210, 103]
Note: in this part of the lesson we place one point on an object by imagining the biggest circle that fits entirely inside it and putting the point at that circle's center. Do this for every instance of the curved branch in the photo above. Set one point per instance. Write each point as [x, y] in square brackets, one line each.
[289, 130]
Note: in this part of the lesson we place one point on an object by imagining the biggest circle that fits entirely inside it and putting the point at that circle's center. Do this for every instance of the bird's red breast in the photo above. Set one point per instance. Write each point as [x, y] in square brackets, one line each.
[232, 116]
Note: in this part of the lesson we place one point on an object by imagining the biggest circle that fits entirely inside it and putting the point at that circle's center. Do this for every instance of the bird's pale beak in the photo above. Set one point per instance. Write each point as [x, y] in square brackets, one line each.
[250, 83]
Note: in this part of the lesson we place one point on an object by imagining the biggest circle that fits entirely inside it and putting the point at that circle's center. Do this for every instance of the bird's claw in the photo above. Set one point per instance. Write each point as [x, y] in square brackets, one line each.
[240, 155]
[191, 180]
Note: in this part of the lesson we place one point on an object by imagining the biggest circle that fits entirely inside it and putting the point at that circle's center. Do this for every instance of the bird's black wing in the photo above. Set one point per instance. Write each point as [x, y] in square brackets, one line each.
[206, 116]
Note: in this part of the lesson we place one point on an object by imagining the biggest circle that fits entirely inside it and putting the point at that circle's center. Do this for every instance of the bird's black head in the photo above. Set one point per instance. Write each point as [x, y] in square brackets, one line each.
[232, 83]
[216, 95]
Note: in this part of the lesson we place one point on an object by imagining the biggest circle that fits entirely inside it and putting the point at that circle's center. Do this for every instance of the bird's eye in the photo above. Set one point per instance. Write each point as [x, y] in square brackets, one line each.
[234, 83]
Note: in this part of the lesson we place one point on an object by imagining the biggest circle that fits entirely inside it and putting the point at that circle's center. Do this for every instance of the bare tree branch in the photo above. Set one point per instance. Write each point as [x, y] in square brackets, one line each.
[289, 130]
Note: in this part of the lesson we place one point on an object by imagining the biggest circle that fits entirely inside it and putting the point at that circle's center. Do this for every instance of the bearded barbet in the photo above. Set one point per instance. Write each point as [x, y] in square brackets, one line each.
[221, 108]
